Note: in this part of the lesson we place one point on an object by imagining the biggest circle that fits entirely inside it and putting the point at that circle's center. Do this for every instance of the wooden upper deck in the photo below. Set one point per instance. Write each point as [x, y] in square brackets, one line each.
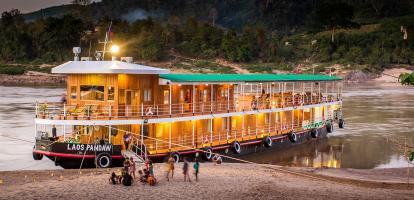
[120, 90]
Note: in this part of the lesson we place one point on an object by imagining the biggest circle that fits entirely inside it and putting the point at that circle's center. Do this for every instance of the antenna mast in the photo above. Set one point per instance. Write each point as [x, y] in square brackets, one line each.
[106, 41]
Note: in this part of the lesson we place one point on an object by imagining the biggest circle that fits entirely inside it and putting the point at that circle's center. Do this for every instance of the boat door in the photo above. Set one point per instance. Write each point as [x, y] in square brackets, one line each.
[131, 102]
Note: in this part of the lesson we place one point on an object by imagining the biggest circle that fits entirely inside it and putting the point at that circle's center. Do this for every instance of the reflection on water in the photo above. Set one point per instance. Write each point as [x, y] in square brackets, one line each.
[372, 113]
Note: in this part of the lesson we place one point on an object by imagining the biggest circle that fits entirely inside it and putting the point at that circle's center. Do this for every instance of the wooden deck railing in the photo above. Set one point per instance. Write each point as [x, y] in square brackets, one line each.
[144, 111]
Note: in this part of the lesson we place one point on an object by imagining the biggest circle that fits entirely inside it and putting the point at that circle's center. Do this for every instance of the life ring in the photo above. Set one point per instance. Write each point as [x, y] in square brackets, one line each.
[208, 153]
[37, 156]
[236, 147]
[176, 156]
[315, 133]
[341, 123]
[148, 111]
[293, 137]
[268, 142]
[103, 160]
[329, 127]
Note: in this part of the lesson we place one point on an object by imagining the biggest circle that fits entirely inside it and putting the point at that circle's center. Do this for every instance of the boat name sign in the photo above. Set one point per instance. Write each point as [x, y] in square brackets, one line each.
[89, 147]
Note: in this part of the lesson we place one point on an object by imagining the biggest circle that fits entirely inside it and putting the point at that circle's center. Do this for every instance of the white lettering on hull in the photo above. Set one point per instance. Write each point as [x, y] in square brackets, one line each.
[89, 147]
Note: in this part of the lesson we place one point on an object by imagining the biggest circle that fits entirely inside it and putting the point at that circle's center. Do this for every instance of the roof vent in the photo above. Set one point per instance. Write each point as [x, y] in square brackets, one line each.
[86, 58]
[127, 59]
[76, 51]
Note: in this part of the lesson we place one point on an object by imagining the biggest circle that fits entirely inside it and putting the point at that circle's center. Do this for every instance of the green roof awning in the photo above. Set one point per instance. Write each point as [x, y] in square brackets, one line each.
[246, 77]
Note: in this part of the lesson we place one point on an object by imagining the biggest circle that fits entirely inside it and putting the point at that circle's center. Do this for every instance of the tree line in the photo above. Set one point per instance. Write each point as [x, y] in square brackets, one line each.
[333, 35]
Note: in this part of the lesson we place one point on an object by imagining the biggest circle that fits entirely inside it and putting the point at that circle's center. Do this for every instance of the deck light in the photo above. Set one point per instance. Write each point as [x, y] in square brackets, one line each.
[114, 49]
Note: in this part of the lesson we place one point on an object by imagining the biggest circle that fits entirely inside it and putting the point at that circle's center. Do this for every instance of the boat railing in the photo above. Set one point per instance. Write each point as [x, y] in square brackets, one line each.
[148, 111]
[189, 140]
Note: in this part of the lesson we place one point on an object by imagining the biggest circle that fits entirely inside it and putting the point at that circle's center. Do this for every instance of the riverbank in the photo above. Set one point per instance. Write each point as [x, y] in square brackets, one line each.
[32, 79]
[230, 180]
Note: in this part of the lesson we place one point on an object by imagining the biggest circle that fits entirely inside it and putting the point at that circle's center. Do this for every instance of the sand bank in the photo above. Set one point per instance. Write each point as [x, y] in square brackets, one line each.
[32, 79]
[229, 181]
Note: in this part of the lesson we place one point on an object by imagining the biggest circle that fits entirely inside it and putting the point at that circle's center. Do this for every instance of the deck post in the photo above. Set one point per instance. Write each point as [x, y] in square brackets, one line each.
[256, 124]
[64, 111]
[319, 92]
[303, 93]
[211, 131]
[242, 94]
[35, 130]
[293, 93]
[64, 133]
[242, 131]
[142, 136]
[283, 91]
[193, 99]
[293, 113]
[311, 93]
[142, 110]
[169, 136]
[271, 96]
[192, 131]
[281, 122]
[228, 98]
[257, 96]
[109, 133]
[211, 98]
[269, 122]
[170, 98]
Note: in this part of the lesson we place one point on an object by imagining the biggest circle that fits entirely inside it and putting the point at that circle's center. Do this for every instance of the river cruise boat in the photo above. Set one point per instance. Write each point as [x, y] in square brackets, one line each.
[114, 109]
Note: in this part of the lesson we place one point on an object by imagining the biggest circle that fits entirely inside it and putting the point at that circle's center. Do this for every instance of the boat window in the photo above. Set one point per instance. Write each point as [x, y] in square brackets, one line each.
[147, 95]
[111, 93]
[166, 97]
[73, 92]
[92, 92]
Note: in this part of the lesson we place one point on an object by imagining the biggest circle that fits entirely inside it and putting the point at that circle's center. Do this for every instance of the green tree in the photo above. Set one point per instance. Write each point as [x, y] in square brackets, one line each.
[334, 15]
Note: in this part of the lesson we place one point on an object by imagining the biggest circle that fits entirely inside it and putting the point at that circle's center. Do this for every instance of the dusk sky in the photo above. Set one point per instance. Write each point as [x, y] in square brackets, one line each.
[29, 5]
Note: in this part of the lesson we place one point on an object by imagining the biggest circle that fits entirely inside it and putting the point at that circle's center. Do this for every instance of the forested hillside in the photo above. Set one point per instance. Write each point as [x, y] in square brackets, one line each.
[262, 34]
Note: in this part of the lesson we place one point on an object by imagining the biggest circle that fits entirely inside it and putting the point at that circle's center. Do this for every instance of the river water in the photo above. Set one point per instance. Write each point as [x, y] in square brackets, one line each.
[373, 113]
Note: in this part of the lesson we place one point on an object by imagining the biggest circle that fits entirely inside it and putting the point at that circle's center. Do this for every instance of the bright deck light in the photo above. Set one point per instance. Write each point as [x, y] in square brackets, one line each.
[114, 48]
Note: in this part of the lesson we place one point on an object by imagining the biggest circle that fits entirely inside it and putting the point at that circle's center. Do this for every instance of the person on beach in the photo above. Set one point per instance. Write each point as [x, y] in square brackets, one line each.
[126, 140]
[217, 160]
[170, 167]
[126, 178]
[132, 167]
[196, 167]
[127, 164]
[113, 179]
[149, 167]
[124, 171]
[185, 170]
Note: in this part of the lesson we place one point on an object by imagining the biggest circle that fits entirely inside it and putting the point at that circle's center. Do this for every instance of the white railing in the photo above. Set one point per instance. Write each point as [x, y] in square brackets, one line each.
[145, 111]
[187, 141]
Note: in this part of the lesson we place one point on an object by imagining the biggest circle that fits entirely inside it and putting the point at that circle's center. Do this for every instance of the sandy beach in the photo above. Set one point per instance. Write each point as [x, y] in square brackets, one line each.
[228, 181]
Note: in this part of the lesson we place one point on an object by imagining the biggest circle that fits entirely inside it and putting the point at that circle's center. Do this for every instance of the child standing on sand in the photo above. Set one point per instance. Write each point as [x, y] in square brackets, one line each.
[132, 167]
[170, 167]
[185, 170]
[196, 167]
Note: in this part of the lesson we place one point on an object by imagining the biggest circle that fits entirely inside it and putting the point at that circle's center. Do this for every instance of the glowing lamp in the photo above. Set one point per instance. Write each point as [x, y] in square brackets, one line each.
[114, 49]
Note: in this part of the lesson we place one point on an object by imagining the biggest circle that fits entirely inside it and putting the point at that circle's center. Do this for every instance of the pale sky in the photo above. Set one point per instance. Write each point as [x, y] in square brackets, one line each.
[26, 6]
